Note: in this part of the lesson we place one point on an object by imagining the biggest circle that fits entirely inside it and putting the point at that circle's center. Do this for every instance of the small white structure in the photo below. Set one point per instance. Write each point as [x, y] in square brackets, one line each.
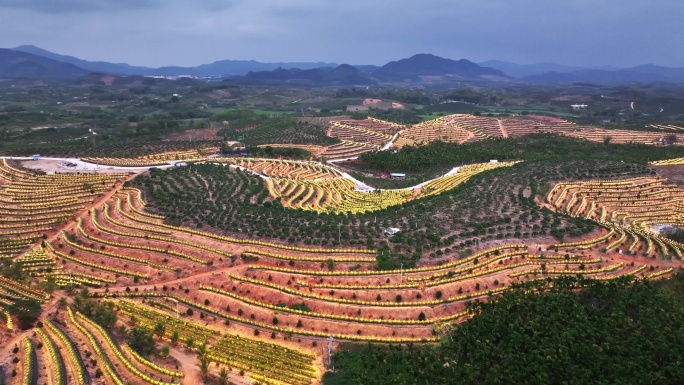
[493, 161]
[397, 175]
[578, 107]
[392, 231]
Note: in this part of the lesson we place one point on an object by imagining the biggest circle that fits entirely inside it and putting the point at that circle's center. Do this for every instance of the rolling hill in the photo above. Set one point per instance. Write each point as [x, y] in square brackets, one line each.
[15, 64]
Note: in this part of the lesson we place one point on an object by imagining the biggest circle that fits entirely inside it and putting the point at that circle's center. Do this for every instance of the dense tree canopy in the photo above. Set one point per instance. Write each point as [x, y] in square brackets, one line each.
[141, 340]
[531, 147]
[26, 310]
[607, 333]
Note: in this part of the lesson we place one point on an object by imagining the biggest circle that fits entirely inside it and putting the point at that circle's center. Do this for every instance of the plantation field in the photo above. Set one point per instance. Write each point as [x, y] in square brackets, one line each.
[460, 128]
[243, 268]
[254, 129]
[128, 151]
[359, 136]
[630, 208]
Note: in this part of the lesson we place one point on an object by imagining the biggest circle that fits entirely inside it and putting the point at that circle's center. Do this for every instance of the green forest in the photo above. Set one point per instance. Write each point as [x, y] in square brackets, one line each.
[608, 333]
[531, 147]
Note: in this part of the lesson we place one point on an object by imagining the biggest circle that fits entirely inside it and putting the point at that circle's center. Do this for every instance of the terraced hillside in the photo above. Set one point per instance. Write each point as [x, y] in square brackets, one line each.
[245, 269]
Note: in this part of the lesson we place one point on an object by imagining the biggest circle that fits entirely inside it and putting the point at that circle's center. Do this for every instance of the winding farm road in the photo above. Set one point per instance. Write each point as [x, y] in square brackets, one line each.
[86, 166]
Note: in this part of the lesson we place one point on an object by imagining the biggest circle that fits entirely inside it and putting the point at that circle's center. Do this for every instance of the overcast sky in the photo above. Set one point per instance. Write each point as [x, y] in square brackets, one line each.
[180, 32]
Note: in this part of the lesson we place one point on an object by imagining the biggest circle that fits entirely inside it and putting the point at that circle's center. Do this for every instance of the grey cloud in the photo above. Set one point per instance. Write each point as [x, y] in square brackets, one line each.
[185, 32]
[77, 6]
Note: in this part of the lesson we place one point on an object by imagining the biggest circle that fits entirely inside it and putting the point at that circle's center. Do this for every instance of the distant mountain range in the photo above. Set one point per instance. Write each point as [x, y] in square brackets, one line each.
[18, 64]
[647, 73]
[524, 70]
[421, 65]
[343, 75]
[218, 68]
[555, 73]
[413, 69]
[28, 61]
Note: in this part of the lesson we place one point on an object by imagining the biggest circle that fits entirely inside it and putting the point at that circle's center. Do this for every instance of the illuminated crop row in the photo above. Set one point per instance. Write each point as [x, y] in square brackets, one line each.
[95, 265]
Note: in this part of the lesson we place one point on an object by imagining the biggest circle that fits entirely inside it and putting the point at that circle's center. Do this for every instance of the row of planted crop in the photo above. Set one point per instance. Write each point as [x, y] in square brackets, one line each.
[18, 211]
[95, 265]
[165, 239]
[37, 263]
[130, 226]
[8, 320]
[57, 198]
[49, 191]
[253, 252]
[258, 348]
[132, 207]
[104, 359]
[569, 271]
[49, 200]
[20, 225]
[388, 272]
[23, 289]
[585, 244]
[30, 365]
[477, 274]
[81, 277]
[315, 314]
[25, 231]
[659, 273]
[54, 188]
[288, 290]
[57, 362]
[132, 246]
[65, 282]
[361, 287]
[81, 373]
[290, 367]
[258, 355]
[467, 268]
[149, 319]
[119, 354]
[268, 369]
[81, 197]
[617, 242]
[137, 192]
[149, 363]
[107, 253]
[224, 315]
[611, 277]
[153, 316]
